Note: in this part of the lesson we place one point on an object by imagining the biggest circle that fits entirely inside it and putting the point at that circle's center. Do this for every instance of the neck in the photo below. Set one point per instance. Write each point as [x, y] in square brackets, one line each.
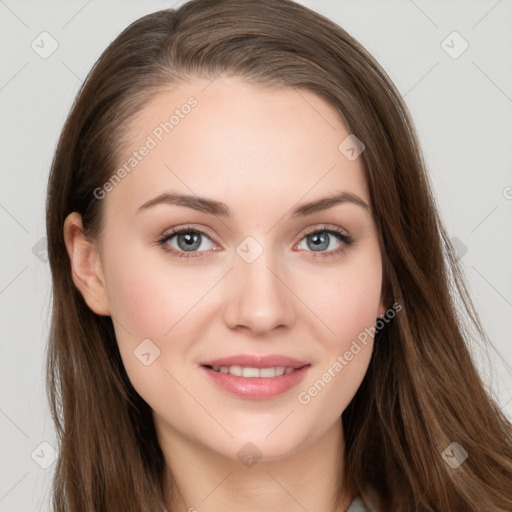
[207, 481]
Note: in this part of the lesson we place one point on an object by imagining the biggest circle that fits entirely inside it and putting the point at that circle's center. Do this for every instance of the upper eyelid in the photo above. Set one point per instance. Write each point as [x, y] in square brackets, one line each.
[324, 227]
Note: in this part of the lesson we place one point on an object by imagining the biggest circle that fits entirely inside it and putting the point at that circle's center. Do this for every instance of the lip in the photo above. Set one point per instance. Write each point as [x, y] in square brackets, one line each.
[255, 361]
[256, 388]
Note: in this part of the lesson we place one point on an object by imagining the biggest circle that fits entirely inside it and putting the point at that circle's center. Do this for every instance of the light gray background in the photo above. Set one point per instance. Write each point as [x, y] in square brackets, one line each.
[461, 106]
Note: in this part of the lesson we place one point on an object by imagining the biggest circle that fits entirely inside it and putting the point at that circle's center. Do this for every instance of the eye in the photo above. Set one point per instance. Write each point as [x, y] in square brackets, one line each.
[320, 239]
[187, 240]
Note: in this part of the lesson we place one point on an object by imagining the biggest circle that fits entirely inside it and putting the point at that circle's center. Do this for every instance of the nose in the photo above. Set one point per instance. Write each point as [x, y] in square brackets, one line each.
[260, 297]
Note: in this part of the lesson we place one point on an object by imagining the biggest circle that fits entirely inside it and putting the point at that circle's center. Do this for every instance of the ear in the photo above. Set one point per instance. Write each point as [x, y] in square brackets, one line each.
[86, 268]
[382, 309]
[386, 293]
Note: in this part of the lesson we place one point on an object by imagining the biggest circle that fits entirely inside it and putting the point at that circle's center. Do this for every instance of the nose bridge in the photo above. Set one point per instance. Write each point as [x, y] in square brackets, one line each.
[262, 300]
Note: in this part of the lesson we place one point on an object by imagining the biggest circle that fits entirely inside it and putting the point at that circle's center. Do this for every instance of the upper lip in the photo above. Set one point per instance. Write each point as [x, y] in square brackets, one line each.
[255, 361]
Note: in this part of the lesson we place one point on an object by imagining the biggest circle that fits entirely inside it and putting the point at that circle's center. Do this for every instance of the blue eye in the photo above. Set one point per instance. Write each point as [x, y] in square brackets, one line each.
[320, 238]
[189, 240]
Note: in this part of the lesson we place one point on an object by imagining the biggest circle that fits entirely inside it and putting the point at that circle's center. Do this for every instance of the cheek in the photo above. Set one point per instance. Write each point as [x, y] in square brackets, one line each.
[356, 305]
[137, 300]
[148, 302]
[346, 299]
[142, 309]
[148, 296]
[350, 311]
[151, 300]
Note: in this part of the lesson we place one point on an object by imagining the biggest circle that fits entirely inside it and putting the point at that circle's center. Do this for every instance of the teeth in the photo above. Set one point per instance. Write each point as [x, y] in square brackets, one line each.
[240, 371]
[251, 372]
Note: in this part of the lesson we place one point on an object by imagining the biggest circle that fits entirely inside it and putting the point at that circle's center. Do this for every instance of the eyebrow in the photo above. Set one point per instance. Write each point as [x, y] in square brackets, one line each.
[213, 207]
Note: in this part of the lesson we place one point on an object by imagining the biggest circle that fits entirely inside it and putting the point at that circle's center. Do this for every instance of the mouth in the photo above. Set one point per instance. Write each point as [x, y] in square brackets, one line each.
[254, 377]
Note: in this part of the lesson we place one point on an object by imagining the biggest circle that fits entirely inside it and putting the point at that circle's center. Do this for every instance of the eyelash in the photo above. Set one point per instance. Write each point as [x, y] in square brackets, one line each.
[346, 240]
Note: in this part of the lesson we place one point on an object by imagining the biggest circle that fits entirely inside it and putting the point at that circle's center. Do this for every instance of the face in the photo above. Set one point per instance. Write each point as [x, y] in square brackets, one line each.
[256, 278]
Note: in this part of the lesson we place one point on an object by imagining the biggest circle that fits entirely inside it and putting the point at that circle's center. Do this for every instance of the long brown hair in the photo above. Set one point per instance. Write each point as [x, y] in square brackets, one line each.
[421, 392]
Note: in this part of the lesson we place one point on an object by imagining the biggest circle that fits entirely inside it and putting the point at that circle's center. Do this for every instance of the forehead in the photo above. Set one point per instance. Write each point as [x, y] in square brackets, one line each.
[247, 145]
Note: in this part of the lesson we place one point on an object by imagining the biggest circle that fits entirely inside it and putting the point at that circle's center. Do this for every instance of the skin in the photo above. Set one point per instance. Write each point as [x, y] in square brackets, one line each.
[261, 151]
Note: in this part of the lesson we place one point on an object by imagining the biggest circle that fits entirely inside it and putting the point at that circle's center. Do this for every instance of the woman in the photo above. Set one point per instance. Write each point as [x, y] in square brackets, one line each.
[253, 301]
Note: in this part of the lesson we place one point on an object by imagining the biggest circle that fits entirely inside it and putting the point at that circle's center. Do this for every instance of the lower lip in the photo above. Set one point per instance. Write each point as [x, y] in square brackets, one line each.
[257, 388]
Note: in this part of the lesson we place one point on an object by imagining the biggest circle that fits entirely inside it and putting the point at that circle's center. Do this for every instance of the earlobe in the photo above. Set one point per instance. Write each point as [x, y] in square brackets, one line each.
[86, 268]
[382, 309]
